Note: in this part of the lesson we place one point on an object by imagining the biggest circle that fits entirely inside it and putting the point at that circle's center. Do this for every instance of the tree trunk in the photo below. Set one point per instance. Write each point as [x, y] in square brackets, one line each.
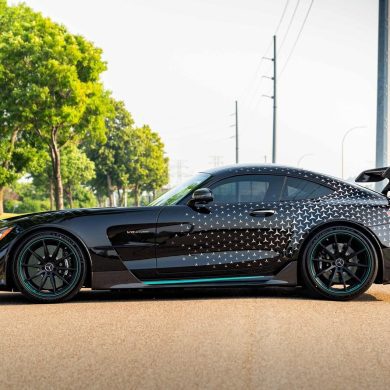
[51, 195]
[120, 197]
[69, 196]
[6, 164]
[136, 195]
[110, 193]
[2, 200]
[56, 164]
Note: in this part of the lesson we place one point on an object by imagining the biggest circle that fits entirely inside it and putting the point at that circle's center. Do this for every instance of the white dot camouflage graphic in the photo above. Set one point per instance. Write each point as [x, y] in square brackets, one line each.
[225, 236]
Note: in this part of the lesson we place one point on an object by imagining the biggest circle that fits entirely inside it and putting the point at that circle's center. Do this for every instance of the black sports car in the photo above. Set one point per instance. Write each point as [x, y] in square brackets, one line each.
[239, 225]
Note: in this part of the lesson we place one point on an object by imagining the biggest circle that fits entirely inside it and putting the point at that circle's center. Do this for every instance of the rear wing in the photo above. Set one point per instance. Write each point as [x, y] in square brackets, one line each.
[374, 176]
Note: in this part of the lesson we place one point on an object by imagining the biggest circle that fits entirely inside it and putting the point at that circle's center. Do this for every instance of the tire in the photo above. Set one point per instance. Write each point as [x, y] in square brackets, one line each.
[49, 267]
[339, 263]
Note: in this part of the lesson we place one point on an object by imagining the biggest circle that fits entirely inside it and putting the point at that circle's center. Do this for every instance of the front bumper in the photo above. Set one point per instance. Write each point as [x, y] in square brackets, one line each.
[3, 269]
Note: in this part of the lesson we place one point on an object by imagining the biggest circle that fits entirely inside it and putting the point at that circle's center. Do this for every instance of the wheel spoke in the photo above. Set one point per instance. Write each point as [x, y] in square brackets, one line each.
[39, 258]
[322, 260]
[57, 261]
[343, 279]
[354, 254]
[352, 274]
[30, 266]
[332, 255]
[43, 281]
[61, 277]
[336, 244]
[45, 249]
[347, 245]
[65, 269]
[332, 278]
[352, 264]
[33, 277]
[53, 282]
[55, 253]
[325, 270]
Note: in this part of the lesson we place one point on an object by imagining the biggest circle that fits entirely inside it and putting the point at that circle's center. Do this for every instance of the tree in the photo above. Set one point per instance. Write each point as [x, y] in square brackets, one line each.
[148, 167]
[77, 169]
[112, 156]
[49, 80]
[11, 120]
[130, 159]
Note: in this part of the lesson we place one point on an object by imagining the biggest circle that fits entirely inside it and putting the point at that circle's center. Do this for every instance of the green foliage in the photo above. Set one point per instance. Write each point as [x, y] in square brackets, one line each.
[131, 158]
[111, 156]
[76, 169]
[150, 167]
[58, 124]
[49, 83]
[30, 199]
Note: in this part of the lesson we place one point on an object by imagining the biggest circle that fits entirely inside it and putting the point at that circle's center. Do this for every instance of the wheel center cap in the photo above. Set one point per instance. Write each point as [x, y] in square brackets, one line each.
[49, 267]
[339, 262]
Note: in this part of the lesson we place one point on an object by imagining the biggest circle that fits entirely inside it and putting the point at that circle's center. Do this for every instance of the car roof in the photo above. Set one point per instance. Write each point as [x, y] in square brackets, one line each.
[262, 168]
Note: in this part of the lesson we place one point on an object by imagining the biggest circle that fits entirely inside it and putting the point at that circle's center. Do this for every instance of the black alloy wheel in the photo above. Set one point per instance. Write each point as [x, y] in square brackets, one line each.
[49, 267]
[339, 263]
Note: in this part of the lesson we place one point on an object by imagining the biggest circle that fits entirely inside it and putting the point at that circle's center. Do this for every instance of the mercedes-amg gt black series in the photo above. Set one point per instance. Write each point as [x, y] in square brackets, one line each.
[233, 226]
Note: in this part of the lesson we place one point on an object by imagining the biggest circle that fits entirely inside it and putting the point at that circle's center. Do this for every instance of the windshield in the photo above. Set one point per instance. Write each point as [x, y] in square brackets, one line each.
[176, 194]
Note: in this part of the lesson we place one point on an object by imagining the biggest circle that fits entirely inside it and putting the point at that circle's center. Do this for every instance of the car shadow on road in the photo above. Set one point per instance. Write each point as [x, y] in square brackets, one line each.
[172, 294]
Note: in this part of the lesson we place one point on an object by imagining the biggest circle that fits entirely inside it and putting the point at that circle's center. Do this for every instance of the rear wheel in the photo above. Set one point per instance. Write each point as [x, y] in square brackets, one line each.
[339, 263]
[49, 267]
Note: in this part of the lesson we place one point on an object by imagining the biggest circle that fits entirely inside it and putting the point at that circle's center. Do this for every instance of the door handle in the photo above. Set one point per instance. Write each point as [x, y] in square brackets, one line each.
[262, 213]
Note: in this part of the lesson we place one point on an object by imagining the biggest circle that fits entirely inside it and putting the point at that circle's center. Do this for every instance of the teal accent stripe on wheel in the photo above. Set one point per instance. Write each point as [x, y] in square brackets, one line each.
[205, 280]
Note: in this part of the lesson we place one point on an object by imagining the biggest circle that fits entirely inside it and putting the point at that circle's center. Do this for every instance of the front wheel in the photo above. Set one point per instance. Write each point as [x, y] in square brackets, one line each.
[339, 263]
[49, 267]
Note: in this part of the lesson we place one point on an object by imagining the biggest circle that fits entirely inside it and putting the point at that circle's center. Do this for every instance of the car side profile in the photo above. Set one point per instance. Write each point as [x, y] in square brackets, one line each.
[241, 225]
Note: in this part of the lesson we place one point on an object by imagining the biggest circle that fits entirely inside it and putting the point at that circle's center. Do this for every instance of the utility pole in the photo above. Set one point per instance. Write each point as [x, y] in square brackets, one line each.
[237, 150]
[382, 86]
[274, 110]
[274, 98]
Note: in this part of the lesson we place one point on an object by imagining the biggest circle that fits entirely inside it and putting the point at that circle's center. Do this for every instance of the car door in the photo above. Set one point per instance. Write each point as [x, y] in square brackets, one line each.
[241, 232]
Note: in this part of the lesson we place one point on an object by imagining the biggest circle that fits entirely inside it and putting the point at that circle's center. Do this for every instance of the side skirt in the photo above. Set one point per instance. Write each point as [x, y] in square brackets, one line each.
[288, 276]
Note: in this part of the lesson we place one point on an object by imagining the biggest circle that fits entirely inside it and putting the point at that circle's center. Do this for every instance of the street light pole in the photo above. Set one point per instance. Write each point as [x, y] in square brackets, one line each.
[342, 146]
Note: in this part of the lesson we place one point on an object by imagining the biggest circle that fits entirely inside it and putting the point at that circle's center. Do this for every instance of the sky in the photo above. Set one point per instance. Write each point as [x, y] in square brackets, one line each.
[179, 66]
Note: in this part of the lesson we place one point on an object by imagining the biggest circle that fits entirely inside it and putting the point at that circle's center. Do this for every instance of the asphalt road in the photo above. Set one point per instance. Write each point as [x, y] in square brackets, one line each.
[214, 339]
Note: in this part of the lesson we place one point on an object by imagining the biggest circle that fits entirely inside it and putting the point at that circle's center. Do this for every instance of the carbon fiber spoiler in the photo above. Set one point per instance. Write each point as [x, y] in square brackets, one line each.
[373, 175]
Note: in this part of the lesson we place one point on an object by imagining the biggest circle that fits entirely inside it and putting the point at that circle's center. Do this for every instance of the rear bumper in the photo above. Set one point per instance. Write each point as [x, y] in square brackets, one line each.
[386, 266]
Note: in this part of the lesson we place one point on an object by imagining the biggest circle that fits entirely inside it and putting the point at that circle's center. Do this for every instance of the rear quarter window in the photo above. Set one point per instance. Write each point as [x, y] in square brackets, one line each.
[299, 189]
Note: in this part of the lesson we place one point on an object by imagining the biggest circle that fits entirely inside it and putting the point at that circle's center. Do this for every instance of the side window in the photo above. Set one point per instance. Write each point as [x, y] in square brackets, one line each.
[298, 189]
[248, 188]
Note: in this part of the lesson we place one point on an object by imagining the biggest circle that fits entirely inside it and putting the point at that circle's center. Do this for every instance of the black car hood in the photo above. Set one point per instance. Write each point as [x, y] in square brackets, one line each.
[54, 216]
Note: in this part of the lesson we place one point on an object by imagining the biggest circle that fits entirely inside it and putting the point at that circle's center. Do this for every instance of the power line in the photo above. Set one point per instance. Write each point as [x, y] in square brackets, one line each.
[259, 100]
[257, 71]
[298, 36]
[289, 26]
[280, 21]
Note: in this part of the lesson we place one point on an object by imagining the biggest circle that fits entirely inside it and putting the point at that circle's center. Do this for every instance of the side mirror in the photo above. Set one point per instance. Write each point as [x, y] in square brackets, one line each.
[201, 196]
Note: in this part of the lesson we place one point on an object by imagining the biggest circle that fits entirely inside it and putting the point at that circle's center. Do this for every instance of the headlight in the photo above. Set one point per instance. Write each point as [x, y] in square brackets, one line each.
[5, 231]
